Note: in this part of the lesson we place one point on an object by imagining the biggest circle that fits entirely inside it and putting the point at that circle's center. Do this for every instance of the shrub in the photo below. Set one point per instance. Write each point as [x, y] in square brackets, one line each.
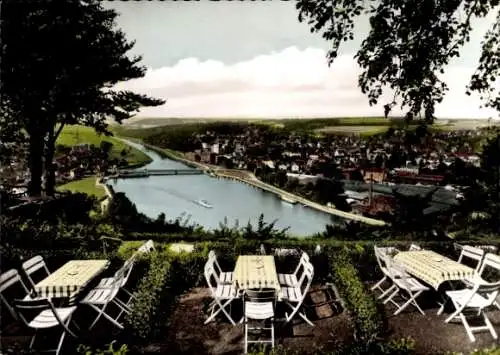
[87, 350]
[360, 304]
[153, 300]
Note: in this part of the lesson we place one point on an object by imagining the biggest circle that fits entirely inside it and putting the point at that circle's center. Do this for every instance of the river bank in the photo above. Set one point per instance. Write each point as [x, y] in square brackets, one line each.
[250, 179]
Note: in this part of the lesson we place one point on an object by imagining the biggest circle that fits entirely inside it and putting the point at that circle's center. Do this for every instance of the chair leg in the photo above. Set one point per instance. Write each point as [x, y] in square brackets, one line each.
[377, 285]
[467, 327]
[222, 308]
[246, 336]
[61, 339]
[386, 292]
[32, 342]
[490, 326]
[411, 300]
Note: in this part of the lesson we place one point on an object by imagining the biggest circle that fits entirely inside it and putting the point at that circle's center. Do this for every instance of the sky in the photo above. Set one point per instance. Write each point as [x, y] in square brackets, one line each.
[255, 59]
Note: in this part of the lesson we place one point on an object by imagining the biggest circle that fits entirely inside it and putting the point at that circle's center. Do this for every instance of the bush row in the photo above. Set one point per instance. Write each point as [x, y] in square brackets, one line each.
[360, 304]
[150, 300]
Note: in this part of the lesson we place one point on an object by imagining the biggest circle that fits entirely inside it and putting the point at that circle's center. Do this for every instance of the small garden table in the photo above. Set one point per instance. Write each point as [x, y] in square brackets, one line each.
[432, 267]
[255, 271]
[70, 279]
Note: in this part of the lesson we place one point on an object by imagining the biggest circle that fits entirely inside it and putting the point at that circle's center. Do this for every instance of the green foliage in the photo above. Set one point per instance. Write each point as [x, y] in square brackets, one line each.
[87, 350]
[408, 46]
[72, 135]
[494, 350]
[151, 302]
[86, 186]
[360, 303]
[74, 86]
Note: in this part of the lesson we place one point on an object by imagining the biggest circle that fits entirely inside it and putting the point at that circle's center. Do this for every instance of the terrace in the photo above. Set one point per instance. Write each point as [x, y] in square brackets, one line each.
[171, 300]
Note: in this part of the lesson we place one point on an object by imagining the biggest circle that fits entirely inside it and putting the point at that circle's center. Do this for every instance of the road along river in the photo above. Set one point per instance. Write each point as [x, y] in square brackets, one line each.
[177, 195]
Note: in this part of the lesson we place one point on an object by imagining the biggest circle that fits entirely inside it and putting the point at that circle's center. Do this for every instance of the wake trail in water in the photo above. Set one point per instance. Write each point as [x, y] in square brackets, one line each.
[175, 193]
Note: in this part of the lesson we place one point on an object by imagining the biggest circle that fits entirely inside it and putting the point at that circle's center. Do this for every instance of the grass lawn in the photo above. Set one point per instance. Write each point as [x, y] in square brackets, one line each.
[86, 186]
[73, 135]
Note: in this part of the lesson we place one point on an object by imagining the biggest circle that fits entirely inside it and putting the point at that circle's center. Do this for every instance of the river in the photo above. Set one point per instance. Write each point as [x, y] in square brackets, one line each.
[232, 201]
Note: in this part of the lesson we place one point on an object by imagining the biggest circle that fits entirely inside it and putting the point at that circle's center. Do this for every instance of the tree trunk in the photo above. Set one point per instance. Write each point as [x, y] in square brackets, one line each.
[50, 176]
[35, 163]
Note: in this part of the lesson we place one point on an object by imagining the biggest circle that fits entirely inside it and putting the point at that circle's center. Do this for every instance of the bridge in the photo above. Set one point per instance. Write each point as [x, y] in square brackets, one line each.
[156, 172]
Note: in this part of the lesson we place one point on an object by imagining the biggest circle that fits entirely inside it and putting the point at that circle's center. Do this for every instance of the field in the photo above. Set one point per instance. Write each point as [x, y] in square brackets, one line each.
[86, 186]
[343, 125]
[72, 135]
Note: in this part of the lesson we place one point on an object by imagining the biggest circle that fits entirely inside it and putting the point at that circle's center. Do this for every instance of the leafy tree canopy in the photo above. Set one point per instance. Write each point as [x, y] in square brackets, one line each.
[60, 63]
[409, 45]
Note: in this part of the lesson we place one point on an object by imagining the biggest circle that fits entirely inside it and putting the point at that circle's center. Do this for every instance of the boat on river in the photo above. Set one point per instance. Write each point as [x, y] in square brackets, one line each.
[204, 203]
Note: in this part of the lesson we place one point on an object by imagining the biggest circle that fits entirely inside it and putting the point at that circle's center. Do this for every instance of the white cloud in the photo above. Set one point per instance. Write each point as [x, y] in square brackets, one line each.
[290, 83]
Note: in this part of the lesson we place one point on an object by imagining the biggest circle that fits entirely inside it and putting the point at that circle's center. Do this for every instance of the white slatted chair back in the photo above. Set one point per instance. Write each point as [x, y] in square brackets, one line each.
[490, 261]
[37, 305]
[306, 278]
[147, 247]
[124, 272]
[213, 258]
[210, 276]
[262, 249]
[472, 253]
[33, 265]
[304, 260]
[414, 247]
[261, 295]
[7, 280]
[380, 255]
[397, 271]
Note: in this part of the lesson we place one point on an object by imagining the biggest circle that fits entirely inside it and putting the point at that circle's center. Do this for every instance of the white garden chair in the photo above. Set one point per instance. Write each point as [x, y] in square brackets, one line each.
[122, 273]
[403, 284]
[225, 277]
[259, 308]
[147, 247]
[415, 247]
[100, 297]
[7, 280]
[380, 254]
[223, 294]
[293, 279]
[33, 265]
[472, 253]
[476, 299]
[294, 296]
[48, 317]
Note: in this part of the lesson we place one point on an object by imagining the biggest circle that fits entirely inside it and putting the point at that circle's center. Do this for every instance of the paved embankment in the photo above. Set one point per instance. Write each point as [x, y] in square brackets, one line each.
[262, 185]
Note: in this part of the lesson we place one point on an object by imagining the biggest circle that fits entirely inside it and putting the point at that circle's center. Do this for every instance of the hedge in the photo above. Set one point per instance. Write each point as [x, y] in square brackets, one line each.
[360, 304]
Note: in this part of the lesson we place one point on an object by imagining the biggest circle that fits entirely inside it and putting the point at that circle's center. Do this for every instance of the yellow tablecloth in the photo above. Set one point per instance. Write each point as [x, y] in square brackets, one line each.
[432, 267]
[255, 271]
[70, 278]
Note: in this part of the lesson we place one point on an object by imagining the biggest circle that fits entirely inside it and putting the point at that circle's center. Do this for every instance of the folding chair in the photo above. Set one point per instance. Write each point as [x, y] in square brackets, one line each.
[123, 273]
[403, 282]
[380, 254]
[100, 297]
[472, 253]
[294, 296]
[223, 294]
[259, 305]
[415, 247]
[147, 247]
[33, 265]
[9, 279]
[48, 317]
[477, 299]
[292, 279]
[225, 277]
[262, 249]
